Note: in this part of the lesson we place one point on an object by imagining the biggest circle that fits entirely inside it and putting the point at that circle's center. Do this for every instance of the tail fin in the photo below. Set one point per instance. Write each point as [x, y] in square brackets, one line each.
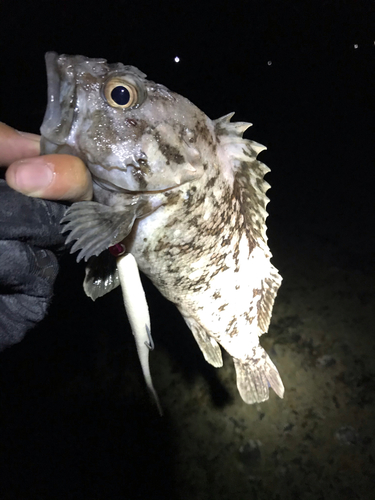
[255, 375]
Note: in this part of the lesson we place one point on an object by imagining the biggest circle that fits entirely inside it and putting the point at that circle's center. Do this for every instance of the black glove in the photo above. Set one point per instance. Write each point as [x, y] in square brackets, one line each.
[30, 241]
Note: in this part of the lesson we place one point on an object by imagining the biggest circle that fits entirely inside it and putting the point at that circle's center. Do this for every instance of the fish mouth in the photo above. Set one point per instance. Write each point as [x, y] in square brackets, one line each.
[104, 184]
[59, 113]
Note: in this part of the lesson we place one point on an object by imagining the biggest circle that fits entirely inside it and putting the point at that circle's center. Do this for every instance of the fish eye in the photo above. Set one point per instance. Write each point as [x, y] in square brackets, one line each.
[120, 93]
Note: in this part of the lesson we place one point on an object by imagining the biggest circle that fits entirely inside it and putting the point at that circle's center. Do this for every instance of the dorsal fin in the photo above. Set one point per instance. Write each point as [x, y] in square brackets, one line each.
[239, 158]
[240, 166]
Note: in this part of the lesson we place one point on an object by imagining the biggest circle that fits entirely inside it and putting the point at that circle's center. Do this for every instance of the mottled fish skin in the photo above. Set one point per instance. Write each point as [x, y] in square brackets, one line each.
[196, 197]
[201, 252]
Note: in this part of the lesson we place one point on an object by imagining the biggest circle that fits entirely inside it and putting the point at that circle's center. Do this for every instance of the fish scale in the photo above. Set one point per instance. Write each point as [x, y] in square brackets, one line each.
[184, 195]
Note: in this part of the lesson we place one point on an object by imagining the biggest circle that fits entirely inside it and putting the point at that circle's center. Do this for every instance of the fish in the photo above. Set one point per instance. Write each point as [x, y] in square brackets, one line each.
[177, 195]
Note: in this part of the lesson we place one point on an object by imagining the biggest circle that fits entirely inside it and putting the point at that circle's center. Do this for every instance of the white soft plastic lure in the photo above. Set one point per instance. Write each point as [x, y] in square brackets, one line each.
[186, 197]
[138, 315]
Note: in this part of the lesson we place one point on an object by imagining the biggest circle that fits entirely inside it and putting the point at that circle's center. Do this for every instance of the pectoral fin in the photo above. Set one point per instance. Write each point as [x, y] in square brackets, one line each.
[101, 275]
[95, 227]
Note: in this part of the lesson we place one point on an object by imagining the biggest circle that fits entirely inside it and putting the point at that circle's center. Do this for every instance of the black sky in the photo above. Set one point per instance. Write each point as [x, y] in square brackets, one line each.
[290, 68]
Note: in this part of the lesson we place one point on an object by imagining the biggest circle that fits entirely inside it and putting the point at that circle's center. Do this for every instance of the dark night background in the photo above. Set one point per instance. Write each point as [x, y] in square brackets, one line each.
[75, 417]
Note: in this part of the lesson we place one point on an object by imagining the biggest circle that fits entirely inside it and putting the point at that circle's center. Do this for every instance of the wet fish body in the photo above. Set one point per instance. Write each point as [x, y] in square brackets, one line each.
[183, 193]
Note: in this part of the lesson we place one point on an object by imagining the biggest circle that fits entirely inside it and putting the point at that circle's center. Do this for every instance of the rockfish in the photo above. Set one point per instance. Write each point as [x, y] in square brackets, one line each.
[181, 197]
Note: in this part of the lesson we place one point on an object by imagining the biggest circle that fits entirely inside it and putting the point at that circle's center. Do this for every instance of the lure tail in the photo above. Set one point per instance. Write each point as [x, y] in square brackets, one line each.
[138, 315]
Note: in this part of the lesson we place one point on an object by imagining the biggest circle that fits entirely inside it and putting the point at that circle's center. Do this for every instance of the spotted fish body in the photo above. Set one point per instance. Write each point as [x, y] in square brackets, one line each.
[186, 197]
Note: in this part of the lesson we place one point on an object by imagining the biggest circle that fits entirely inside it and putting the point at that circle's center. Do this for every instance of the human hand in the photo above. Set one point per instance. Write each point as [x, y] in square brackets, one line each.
[30, 231]
[53, 177]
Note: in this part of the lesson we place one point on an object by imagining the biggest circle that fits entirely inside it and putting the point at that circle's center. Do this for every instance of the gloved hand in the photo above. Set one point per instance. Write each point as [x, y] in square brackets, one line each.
[30, 241]
[30, 236]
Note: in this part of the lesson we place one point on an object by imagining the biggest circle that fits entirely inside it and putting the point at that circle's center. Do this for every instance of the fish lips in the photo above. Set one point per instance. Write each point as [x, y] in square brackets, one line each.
[59, 114]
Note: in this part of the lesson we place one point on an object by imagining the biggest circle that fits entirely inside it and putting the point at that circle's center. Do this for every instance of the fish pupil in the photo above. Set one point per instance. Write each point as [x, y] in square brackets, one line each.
[120, 95]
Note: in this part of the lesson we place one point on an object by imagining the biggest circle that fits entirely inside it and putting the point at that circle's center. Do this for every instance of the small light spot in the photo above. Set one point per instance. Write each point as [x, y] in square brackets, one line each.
[356, 45]
[176, 59]
[269, 63]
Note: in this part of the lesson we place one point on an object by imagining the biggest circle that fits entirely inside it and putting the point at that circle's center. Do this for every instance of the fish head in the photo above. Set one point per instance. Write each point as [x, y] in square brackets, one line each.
[133, 134]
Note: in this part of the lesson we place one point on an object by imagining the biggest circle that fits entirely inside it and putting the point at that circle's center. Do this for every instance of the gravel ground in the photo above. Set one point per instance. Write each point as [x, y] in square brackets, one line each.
[76, 420]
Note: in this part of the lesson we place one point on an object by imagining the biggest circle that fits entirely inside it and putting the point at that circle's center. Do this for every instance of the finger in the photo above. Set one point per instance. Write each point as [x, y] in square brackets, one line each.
[54, 177]
[15, 145]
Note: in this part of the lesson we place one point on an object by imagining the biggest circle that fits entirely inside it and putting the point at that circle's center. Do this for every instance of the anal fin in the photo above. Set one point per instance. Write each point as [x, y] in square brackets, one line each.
[208, 345]
[255, 375]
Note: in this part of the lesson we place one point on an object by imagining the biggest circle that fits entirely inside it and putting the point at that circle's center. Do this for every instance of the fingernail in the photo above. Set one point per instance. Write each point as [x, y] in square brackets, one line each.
[27, 135]
[33, 176]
